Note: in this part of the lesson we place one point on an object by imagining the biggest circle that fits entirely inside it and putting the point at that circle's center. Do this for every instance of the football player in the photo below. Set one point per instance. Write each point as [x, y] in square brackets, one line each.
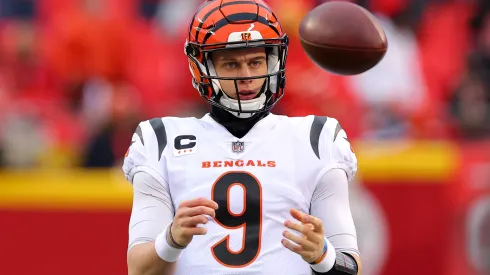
[240, 190]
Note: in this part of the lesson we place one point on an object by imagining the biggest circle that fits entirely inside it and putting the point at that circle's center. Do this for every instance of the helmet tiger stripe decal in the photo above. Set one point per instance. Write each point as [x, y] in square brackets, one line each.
[203, 14]
[238, 17]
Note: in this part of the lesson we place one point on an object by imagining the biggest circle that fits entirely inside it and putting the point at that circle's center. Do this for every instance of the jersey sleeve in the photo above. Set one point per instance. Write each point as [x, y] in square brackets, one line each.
[152, 209]
[145, 153]
[330, 203]
[336, 150]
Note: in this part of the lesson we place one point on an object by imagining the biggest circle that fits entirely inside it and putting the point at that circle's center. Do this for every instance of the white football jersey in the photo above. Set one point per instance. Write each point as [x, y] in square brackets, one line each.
[255, 180]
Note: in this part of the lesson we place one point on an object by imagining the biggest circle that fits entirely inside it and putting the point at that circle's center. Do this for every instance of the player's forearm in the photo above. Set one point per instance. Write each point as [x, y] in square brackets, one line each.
[143, 260]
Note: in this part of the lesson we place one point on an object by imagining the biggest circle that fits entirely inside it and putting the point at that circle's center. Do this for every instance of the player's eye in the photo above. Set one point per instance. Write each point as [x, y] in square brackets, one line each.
[256, 63]
[230, 65]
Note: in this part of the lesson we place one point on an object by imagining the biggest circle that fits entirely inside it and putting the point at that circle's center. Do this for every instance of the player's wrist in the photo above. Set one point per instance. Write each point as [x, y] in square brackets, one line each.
[163, 248]
[327, 260]
[171, 240]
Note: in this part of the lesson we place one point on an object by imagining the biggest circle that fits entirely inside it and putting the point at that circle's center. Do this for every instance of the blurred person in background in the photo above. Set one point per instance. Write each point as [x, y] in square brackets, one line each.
[89, 50]
[110, 111]
[470, 107]
[24, 88]
[470, 104]
[86, 44]
[479, 57]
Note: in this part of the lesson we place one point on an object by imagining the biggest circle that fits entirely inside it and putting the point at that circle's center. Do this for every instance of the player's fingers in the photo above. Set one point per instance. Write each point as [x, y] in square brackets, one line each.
[293, 247]
[317, 236]
[199, 202]
[305, 229]
[193, 221]
[191, 231]
[298, 215]
[317, 223]
[300, 240]
[301, 228]
[198, 210]
[305, 218]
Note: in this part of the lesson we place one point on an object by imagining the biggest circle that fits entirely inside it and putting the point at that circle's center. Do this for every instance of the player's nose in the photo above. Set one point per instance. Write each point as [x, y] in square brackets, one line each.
[245, 72]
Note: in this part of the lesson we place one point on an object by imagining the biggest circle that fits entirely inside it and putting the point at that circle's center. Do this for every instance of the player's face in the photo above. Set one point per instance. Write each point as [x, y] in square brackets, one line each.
[241, 63]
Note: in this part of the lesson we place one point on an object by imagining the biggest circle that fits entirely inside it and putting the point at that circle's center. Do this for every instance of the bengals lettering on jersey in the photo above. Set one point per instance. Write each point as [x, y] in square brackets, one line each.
[238, 163]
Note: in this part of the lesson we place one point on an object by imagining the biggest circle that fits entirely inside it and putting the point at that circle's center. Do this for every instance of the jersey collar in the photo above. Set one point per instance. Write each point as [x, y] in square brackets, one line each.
[263, 125]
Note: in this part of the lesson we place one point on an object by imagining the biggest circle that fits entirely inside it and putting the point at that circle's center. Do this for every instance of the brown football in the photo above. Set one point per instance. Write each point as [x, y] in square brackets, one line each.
[342, 38]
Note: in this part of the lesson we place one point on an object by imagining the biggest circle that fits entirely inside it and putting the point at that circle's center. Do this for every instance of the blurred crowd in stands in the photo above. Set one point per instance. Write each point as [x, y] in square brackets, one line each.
[76, 76]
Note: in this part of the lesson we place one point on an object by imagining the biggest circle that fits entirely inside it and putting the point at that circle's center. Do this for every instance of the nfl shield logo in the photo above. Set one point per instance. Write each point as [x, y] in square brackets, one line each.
[237, 146]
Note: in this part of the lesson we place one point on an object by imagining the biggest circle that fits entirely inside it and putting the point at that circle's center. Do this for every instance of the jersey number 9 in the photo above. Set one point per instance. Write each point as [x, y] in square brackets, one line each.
[250, 219]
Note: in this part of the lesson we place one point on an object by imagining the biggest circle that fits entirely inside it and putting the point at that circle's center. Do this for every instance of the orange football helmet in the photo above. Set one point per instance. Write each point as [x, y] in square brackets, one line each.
[236, 24]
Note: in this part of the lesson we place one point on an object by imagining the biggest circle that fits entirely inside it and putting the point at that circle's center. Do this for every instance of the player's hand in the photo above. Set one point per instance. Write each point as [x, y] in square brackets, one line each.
[188, 215]
[309, 245]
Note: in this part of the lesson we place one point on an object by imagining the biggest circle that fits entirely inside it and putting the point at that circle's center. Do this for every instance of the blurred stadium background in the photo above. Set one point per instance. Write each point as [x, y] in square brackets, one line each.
[76, 76]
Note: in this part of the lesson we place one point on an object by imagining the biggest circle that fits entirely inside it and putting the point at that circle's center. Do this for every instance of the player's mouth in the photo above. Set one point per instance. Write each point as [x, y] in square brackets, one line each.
[247, 94]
